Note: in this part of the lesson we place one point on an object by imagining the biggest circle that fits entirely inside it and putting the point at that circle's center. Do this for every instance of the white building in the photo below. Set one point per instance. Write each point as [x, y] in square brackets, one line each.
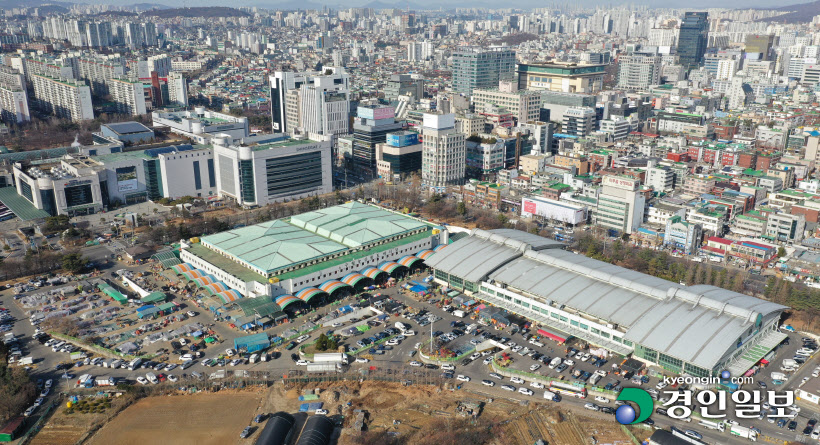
[70, 187]
[128, 96]
[620, 204]
[178, 89]
[13, 96]
[639, 71]
[66, 99]
[202, 125]
[444, 155]
[523, 104]
[661, 179]
[311, 102]
[579, 121]
[274, 172]
[617, 126]
[418, 51]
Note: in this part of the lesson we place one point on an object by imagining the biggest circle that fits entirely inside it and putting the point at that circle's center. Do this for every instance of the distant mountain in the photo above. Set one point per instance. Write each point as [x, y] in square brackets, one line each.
[800, 13]
[207, 12]
[148, 6]
[377, 4]
[117, 14]
[9, 4]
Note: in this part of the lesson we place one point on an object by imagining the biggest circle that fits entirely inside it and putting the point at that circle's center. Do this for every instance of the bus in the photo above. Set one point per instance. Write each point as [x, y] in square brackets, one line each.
[568, 389]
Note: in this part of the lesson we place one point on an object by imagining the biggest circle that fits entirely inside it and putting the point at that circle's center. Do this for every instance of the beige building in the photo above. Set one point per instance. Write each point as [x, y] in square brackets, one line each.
[523, 104]
[531, 164]
[563, 77]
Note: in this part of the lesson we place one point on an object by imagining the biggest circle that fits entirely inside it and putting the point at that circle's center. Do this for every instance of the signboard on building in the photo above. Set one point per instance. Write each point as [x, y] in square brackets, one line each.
[376, 113]
[554, 210]
[127, 179]
[621, 182]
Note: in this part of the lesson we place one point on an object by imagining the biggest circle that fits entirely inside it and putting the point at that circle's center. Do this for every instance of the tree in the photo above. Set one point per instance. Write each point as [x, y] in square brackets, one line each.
[321, 343]
[461, 208]
[74, 262]
[781, 252]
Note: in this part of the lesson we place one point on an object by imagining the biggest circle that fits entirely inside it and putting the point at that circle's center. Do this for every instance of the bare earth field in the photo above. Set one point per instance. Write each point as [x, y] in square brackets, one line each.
[201, 419]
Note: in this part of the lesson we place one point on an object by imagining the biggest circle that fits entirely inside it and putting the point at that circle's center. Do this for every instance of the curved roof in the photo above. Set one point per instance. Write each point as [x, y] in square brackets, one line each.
[372, 272]
[408, 260]
[331, 286]
[307, 293]
[389, 266]
[352, 278]
[277, 429]
[697, 324]
[425, 253]
[285, 300]
[474, 257]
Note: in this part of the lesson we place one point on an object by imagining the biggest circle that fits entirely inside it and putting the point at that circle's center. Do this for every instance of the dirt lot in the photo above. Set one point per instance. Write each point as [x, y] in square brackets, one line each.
[200, 418]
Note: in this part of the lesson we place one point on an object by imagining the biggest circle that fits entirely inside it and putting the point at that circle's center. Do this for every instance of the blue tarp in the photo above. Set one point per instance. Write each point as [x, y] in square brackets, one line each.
[312, 406]
[382, 317]
[469, 303]
[146, 307]
[345, 309]
[419, 289]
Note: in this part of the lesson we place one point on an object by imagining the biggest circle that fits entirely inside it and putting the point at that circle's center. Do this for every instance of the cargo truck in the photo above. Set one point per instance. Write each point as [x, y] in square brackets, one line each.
[330, 357]
[742, 431]
[324, 367]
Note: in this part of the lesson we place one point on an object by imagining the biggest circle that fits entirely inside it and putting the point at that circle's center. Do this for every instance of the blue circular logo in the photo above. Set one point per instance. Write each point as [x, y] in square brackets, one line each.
[726, 375]
[625, 414]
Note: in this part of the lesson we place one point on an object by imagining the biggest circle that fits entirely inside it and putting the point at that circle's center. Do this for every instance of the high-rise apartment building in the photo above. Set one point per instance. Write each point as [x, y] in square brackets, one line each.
[693, 38]
[419, 51]
[128, 96]
[482, 68]
[13, 96]
[178, 89]
[67, 99]
[98, 72]
[316, 102]
[444, 152]
[403, 85]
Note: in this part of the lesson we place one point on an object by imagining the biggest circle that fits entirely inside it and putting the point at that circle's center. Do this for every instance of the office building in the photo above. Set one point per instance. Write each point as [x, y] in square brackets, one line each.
[785, 227]
[273, 172]
[524, 105]
[311, 102]
[693, 38]
[400, 154]
[561, 77]
[370, 127]
[617, 128]
[403, 85]
[482, 68]
[682, 235]
[66, 99]
[760, 46]
[639, 71]
[620, 204]
[70, 186]
[444, 155]
[579, 121]
[661, 179]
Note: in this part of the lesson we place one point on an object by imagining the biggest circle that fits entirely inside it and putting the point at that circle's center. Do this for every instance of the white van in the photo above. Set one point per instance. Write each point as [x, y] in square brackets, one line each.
[254, 358]
[264, 357]
[555, 362]
[187, 364]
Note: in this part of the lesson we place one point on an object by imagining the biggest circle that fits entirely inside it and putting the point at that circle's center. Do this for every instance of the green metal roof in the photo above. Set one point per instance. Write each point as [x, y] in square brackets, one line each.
[354, 224]
[231, 267]
[20, 206]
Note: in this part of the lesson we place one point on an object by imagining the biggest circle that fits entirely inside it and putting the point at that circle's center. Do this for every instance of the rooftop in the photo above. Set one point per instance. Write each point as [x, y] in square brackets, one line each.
[128, 128]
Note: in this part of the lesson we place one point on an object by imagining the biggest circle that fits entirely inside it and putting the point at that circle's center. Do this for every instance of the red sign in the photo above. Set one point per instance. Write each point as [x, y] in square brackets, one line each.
[529, 207]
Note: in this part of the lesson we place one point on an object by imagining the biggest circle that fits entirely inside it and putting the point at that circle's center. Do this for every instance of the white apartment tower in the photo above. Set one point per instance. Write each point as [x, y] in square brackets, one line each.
[68, 99]
[444, 152]
[178, 89]
[13, 96]
[311, 102]
[128, 96]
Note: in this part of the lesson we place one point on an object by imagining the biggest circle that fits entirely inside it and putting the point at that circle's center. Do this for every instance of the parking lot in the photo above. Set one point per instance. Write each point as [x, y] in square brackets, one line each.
[171, 337]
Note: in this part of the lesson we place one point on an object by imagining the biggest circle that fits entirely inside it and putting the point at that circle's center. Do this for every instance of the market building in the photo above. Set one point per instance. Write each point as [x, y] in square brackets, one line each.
[697, 330]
